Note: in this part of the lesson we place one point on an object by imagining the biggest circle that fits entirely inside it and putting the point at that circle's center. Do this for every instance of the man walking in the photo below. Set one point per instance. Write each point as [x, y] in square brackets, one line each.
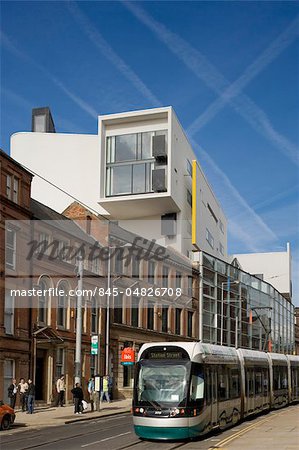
[93, 395]
[78, 397]
[60, 387]
[12, 393]
[31, 397]
[105, 389]
[23, 388]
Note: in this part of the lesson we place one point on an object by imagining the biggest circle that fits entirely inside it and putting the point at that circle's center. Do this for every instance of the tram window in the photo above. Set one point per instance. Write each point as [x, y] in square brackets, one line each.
[223, 393]
[234, 384]
[258, 383]
[284, 378]
[250, 383]
[208, 377]
[280, 379]
[196, 387]
[265, 382]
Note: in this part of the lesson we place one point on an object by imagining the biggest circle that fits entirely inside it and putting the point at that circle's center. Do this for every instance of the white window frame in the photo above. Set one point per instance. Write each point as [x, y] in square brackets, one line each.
[9, 179]
[11, 265]
[9, 313]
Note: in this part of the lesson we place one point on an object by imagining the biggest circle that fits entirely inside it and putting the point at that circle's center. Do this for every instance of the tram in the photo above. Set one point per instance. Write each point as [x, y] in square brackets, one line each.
[184, 390]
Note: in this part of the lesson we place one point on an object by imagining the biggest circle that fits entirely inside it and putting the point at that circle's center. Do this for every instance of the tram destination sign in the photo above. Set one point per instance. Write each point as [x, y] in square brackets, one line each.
[165, 355]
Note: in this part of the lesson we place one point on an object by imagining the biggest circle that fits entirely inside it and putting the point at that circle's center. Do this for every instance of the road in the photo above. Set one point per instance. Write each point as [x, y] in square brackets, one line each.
[116, 433]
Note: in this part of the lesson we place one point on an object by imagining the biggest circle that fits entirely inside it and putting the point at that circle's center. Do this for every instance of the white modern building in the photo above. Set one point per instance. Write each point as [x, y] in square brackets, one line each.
[273, 267]
[139, 170]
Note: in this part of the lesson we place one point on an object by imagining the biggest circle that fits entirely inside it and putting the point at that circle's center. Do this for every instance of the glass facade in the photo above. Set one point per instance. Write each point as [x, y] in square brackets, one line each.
[241, 310]
[129, 163]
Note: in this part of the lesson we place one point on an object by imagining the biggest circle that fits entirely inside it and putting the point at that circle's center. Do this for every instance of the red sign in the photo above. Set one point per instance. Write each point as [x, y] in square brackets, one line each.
[128, 356]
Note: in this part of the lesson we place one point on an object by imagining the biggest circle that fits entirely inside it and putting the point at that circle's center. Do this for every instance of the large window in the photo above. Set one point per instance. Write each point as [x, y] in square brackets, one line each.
[135, 312]
[150, 315]
[151, 272]
[130, 163]
[118, 308]
[62, 305]
[178, 314]
[10, 255]
[43, 302]
[9, 312]
[94, 316]
[59, 362]
[165, 274]
[165, 319]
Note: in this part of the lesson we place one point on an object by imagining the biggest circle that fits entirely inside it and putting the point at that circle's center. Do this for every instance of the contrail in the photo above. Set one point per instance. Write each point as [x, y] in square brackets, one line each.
[97, 39]
[267, 56]
[24, 56]
[205, 71]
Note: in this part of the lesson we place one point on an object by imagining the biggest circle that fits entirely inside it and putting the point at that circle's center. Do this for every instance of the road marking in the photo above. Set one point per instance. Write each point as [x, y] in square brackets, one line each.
[106, 439]
[245, 430]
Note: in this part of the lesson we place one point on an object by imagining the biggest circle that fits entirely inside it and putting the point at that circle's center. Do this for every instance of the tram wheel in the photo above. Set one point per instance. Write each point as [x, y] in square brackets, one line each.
[222, 423]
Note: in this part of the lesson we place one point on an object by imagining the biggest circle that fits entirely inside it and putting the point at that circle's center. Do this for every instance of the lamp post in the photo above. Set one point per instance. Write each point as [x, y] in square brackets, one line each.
[107, 353]
[222, 306]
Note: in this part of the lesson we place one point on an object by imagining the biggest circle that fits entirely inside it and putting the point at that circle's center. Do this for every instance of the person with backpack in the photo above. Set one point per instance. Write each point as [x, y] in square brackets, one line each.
[78, 397]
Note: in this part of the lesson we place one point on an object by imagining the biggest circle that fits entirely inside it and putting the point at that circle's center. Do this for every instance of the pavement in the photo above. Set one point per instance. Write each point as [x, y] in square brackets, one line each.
[55, 416]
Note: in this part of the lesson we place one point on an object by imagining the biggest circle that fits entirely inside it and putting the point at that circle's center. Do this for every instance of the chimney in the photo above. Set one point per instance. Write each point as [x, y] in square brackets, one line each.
[42, 121]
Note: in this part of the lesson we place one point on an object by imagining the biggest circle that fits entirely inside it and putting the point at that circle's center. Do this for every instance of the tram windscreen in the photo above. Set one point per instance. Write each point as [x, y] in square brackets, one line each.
[163, 384]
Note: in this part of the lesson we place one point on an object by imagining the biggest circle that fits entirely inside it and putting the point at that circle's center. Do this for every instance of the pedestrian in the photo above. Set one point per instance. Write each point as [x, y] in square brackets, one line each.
[23, 392]
[78, 397]
[105, 389]
[60, 387]
[93, 395]
[12, 393]
[31, 397]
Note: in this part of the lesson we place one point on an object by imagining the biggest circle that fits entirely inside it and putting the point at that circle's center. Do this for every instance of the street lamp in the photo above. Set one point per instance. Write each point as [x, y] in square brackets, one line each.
[222, 308]
[107, 353]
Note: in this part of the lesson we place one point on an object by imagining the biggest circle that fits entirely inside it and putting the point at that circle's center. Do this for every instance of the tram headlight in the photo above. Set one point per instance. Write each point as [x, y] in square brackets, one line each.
[177, 411]
[141, 410]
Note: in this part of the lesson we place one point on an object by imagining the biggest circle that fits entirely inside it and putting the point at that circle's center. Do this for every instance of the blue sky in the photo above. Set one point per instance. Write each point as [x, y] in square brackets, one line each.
[230, 70]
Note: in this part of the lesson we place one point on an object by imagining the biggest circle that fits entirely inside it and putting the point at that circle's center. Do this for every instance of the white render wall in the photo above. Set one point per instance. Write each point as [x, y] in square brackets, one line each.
[70, 161]
[275, 266]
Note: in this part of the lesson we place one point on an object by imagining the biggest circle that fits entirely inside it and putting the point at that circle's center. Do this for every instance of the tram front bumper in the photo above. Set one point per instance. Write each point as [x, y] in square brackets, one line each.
[162, 433]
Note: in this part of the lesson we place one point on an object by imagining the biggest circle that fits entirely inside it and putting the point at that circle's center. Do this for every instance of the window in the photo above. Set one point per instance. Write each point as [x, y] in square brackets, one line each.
[150, 315]
[151, 272]
[135, 312]
[196, 386]
[9, 374]
[178, 313]
[59, 362]
[94, 316]
[212, 213]
[190, 286]
[118, 308]
[44, 241]
[9, 312]
[221, 248]
[62, 305]
[209, 238]
[135, 266]
[8, 186]
[43, 302]
[118, 261]
[165, 319]
[234, 383]
[128, 376]
[10, 255]
[15, 190]
[189, 197]
[130, 163]
[178, 280]
[189, 323]
[165, 274]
